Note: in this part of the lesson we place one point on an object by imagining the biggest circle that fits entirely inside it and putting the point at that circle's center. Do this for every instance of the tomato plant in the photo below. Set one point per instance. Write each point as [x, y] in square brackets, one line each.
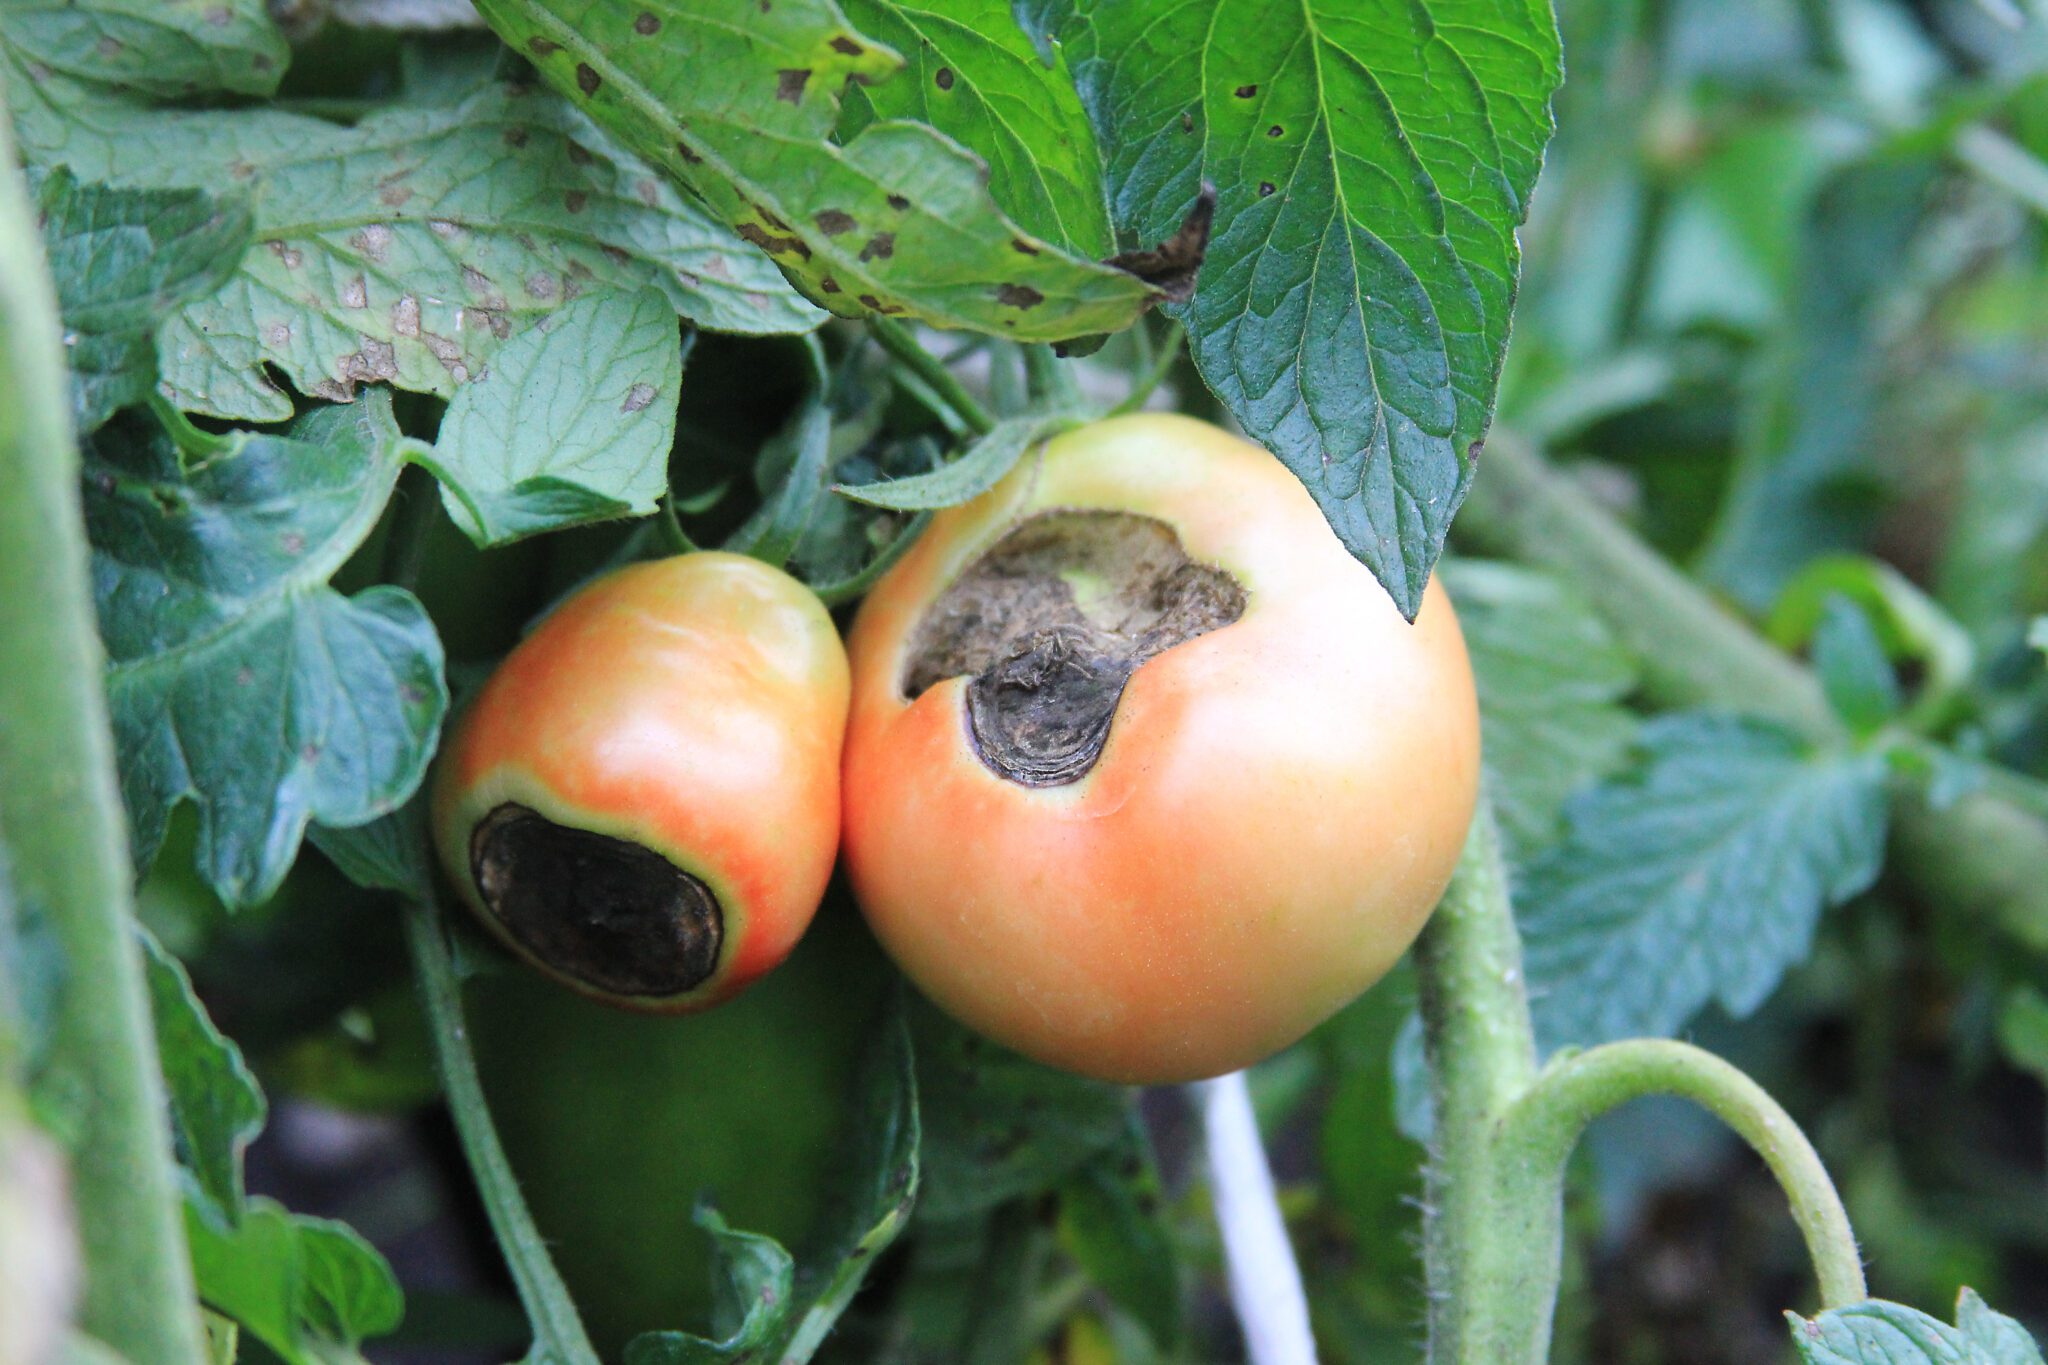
[994, 478]
[1140, 700]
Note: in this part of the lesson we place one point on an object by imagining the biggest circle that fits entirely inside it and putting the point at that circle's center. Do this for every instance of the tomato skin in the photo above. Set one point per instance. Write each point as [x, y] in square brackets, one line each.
[1278, 806]
[694, 706]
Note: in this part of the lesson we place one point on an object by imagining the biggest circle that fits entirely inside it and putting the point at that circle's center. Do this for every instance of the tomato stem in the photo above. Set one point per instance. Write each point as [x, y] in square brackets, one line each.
[1153, 369]
[1265, 1282]
[61, 807]
[896, 339]
[1544, 1125]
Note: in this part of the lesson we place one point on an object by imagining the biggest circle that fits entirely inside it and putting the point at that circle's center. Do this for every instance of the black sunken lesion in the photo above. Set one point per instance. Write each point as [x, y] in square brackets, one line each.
[1048, 665]
[605, 912]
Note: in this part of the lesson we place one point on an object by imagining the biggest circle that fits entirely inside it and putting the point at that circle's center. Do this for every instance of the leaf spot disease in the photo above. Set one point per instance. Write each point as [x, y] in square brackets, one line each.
[542, 47]
[1019, 296]
[833, 222]
[373, 241]
[1265, 188]
[790, 82]
[829, 285]
[646, 23]
[405, 316]
[587, 80]
[290, 255]
[637, 397]
[1275, 131]
[355, 293]
[1018, 244]
[847, 46]
[881, 246]
[574, 201]
[541, 285]
[898, 202]
[773, 245]
[943, 78]
[683, 151]
[1245, 92]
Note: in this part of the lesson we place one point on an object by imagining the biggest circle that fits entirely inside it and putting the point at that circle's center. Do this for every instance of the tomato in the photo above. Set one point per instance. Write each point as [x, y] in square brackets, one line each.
[616, 1123]
[643, 800]
[1145, 774]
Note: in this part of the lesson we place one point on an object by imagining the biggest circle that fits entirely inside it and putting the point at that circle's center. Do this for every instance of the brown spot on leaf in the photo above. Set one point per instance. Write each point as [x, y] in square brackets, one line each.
[405, 316]
[579, 155]
[290, 255]
[1187, 122]
[574, 201]
[542, 47]
[1171, 266]
[772, 244]
[1019, 296]
[1018, 244]
[1245, 92]
[648, 192]
[541, 285]
[587, 80]
[355, 294]
[683, 151]
[637, 397]
[832, 222]
[515, 137]
[444, 229]
[879, 247]
[373, 241]
[790, 82]
[1275, 131]
[394, 195]
[870, 301]
[898, 202]
[943, 78]
[847, 46]
[646, 23]
[1265, 188]
[829, 285]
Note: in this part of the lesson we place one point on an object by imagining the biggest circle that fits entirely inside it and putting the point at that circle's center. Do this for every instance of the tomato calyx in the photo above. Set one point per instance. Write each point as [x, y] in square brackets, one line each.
[1051, 622]
[610, 913]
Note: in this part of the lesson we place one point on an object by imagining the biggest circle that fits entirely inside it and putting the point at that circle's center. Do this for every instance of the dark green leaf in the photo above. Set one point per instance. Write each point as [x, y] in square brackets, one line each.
[774, 530]
[173, 49]
[997, 1126]
[1110, 1223]
[750, 1306]
[971, 73]
[1551, 678]
[1371, 165]
[237, 678]
[387, 854]
[2023, 1030]
[740, 102]
[216, 1107]
[1853, 669]
[308, 1288]
[1880, 1333]
[1697, 876]
[980, 467]
[121, 260]
[572, 422]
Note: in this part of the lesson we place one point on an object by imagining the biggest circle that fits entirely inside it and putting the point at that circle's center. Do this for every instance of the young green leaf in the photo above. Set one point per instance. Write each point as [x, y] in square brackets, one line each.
[980, 467]
[1696, 876]
[740, 104]
[1551, 680]
[172, 49]
[122, 259]
[971, 73]
[216, 1107]
[571, 422]
[1853, 669]
[1372, 164]
[237, 678]
[387, 854]
[308, 1288]
[1880, 1333]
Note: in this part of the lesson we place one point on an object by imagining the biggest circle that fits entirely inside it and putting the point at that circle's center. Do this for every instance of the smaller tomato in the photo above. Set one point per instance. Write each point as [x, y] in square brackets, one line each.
[643, 800]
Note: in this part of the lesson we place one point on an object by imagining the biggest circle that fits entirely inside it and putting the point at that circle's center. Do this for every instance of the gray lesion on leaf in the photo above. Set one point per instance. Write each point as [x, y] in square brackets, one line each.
[790, 83]
[1051, 623]
[833, 222]
[638, 397]
[1019, 296]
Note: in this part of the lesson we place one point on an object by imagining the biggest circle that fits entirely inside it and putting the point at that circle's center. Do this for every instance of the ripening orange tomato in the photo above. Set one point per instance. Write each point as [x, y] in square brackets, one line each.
[1145, 774]
[643, 800]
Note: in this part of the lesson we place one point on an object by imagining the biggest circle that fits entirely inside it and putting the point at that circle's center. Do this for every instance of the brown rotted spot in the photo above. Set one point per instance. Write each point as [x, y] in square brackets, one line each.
[587, 80]
[608, 913]
[770, 243]
[646, 23]
[1171, 266]
[847, 46]
[879, 247]
[829, 285]
[832, 222]
[683, 151]
[1019, 296]
[769, 216]
[541, 47]
[943, 78]
[1245, 92]
[790, 82]
[898, 202]
[1018, 244]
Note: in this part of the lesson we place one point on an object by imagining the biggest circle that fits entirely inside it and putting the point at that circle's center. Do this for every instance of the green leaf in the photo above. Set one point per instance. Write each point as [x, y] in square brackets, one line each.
[173, 49]
[2023, 1030]
[980, 467]
[216, 1107]
[773, 532]
[121, 260]
[998, 1126]
[1854, 671]
[1110, 1224]
[1697, 876]
[970, 72]
[764, 1309]
[410, 248]
[1371, 164]
[1879, 1333]
[387, 854]
[1551, 680]
[739, 103]
[572, 422]
[308, 1288]
[237, 678]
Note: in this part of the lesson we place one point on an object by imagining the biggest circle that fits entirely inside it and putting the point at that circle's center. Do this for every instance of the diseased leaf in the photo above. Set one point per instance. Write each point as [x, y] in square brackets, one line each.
[172, 49]
[970, 72]
[1697, 876]
[239, 680]
[1879, 1333]
[571, 422]
[740, 102]
[122, 259]
[1551, 678]
[980, 467]
[216, 1107]
[1371, 165]
[308, 1288]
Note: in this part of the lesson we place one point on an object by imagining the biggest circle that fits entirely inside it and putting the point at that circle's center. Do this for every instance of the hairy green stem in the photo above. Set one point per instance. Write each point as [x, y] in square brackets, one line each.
[896, 339]
[1492, 1265]
[60, 813]
[1572, 1091]
[1695, 652]
[557, 1329]
[1048, 380]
